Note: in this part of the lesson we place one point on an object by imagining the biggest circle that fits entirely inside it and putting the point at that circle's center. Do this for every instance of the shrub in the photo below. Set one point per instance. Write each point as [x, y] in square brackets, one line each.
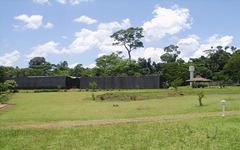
[102, 97]
[93, 85]
[93, 96]
[176, 83]
[11, 84]
[137, 87]
[3, 87]
[202, 85]
[4, 98]
[199, 85]
[59, 87]
[134, 97]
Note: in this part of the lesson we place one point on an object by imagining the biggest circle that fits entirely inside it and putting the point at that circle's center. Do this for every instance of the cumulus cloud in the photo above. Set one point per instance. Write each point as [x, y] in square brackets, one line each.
[188, 45]
[115, 25]
[48, 25]
[213, 41]
[89, 66]
[9, 58]
[150, 52]
[42, 2]
[166, 22]
[76, 2]
[45, 49]
[73, 65]
[31, 22]
[87, 39]
[85, 19]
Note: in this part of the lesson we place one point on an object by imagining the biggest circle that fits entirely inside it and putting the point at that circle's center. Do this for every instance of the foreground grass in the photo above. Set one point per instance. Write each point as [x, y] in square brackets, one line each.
[77, 106]
[191, 133]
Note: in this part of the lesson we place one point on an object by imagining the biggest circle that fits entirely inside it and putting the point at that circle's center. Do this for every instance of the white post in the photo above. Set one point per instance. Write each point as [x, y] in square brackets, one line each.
[223, 103]
[191, 69]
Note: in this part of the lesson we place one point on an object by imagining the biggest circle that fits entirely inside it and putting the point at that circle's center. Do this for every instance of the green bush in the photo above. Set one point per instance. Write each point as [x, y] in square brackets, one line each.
[4, 97]
[176, 83]
[3, 87]
[93, 85]
[102, 97]
[199, 85]
[11, 84]
[93, 96]
[59, 87]
[202, 85]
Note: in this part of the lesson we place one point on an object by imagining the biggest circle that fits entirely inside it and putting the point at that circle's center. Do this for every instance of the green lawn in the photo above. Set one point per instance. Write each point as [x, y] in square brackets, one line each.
[195, 133]
[191, 133]
[71, 106]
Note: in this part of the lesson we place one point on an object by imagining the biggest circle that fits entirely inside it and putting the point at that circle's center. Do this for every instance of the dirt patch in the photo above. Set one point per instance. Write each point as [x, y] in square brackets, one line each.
[49, 125]
[4, 106]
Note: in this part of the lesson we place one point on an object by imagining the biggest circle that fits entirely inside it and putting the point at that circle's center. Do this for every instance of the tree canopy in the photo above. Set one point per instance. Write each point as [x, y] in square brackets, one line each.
[129, 38]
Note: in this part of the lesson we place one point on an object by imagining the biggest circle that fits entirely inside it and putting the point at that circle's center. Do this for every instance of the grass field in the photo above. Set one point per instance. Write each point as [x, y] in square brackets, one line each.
[213, 132]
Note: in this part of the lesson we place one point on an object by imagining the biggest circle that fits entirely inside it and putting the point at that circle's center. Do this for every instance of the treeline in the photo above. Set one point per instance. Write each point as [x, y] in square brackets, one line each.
[219, 65]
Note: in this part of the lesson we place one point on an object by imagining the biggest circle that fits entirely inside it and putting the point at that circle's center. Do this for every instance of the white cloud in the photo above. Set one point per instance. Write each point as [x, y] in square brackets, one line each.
[48, 25]
[72, 2]
[114, 25]
[42, 2]
[174, 40]
[33, 22]
[188, 45]
[73, 65]
[76, 2]
[85, 19]
[61, 1]
[166, 22]
[85, 66]
[45, 49]
[213, 41]
[9, 59]
[64, 37]
[89, 66]
[150, 52]
[87, 39]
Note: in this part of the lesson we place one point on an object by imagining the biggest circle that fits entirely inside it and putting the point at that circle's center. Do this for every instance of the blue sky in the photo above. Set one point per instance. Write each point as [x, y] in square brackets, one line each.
[78, 31]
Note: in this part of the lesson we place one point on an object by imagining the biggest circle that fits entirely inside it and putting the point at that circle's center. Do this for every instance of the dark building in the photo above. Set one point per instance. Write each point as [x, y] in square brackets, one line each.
[46, 82]
[66, 82]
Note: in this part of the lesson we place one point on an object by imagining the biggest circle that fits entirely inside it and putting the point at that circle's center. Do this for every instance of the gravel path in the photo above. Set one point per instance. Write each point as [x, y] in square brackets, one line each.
[100, 122]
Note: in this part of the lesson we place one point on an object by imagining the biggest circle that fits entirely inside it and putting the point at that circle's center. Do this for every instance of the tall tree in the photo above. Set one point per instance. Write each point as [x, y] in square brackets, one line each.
[232, 68]
[129, 38]
[171, 54]
[63, 65]
[37, 62]
[217, 59]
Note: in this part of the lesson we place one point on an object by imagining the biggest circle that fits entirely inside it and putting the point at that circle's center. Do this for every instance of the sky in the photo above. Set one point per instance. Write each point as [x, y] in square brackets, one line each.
[78, 31]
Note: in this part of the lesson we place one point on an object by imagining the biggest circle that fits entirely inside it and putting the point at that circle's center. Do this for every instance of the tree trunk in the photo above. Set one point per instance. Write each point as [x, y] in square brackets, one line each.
[129, 55]
[200, 102]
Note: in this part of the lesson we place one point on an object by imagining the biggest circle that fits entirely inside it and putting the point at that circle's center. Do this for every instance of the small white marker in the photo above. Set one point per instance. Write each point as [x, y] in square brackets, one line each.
[223, 103]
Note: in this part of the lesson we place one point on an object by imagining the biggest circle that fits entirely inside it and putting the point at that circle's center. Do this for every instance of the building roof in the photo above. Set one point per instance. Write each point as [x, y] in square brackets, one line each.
[198, 78]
